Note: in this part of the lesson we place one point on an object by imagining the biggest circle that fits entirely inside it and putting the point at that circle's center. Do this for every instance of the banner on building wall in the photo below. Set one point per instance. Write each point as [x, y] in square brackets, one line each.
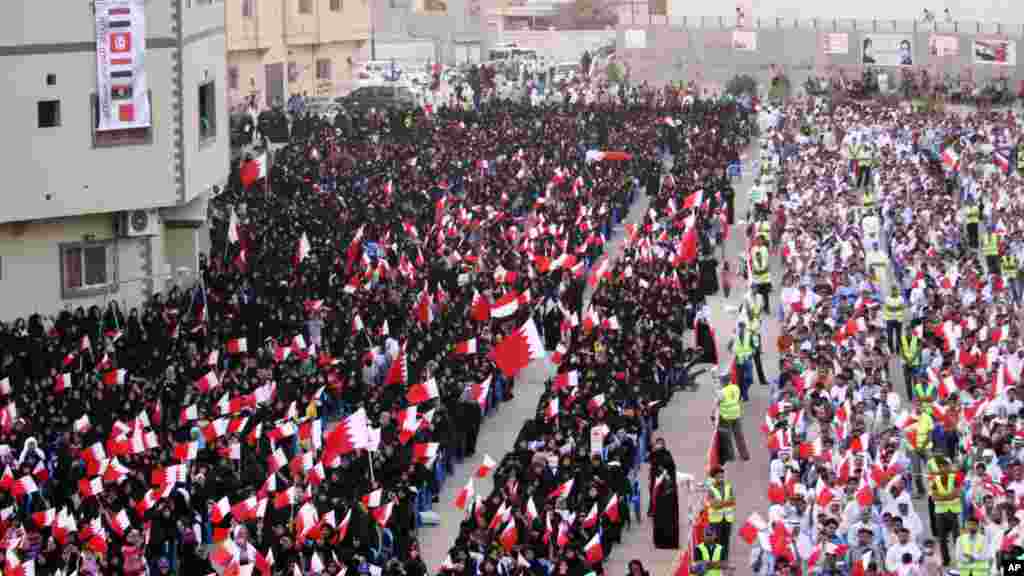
[943, 46]
[120, 65]
[836, 43]
[744, 13]
[995, 52]
[887, 50]
[744, 40]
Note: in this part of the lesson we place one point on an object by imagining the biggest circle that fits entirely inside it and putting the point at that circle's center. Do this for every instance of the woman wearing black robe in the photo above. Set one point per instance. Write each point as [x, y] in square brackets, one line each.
[705, 338]
[664, 498]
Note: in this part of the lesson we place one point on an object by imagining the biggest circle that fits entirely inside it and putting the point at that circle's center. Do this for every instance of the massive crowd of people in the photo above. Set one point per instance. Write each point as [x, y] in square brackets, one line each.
[899, 240]
[364, 306]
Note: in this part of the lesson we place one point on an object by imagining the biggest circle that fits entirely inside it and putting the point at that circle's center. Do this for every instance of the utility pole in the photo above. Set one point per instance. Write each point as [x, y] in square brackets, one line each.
[373, 33]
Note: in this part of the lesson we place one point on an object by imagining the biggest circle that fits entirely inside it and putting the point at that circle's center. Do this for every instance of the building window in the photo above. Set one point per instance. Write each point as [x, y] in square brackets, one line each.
[232, 77]
[324, 69]
[128, 137]
[87, 269]
[49, 113]
[335, 5]
[248, 10]
[305, 6]
[293, 72]
[207, 112]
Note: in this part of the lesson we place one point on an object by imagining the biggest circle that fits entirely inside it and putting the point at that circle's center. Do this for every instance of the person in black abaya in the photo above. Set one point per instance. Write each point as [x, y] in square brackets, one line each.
[705, 337]
[707, 266]
[664, 497]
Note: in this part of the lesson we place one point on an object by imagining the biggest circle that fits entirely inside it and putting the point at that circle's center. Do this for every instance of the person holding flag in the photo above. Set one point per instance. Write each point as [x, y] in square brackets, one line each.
[664, 497]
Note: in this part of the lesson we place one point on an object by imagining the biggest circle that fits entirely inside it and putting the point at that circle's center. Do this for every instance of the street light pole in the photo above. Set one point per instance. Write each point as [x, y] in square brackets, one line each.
[373, 34]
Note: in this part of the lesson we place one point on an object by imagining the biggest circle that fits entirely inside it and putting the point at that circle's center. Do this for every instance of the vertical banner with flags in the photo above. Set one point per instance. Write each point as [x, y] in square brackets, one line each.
[120, 65]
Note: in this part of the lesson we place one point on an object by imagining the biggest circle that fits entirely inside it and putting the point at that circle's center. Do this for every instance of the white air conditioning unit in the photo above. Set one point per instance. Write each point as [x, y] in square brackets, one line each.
[135, 223]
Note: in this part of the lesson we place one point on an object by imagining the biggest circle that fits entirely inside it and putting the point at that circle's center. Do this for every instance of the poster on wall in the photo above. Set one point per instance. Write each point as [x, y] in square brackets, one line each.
[995, 52]
[635, 39]
[836, 43]
[943, 46]
[744, 40]
[120, 65]
[887, 50]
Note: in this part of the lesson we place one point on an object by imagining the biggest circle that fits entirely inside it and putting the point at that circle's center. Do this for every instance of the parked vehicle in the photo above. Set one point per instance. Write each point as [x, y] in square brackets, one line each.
[380, 97]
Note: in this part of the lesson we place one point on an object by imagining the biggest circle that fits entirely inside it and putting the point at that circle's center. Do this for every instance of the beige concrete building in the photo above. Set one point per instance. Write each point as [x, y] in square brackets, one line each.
[277, 48]
[91, 216]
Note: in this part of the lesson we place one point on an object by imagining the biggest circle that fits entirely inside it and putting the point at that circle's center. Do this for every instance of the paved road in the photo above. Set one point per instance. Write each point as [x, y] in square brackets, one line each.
[685, 426]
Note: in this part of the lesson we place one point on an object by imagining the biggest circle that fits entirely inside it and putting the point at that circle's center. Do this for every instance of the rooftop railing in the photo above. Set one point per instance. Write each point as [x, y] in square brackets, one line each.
[878, 25]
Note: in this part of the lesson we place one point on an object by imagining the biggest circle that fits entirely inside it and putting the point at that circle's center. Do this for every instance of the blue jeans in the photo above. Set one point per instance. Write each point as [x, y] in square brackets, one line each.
[745, 373]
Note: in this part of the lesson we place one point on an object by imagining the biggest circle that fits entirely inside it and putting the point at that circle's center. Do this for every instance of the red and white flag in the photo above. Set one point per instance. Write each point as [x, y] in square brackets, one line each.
[551, 410]
[486, 467]
[306, 520]
[479, 392]
[611, 509]
[565, 380]
[220, 510]
[425, 452]
[121, 524]
[466, 347]
[350, 434]
[88, 488]
[754, 525]
[594, 551]
[45, 518]
[237, 346]
[115, 377]
[423, 392]
[509, 536]
[515, 351]
[602, 271]
[61, 382]
[425, 306]
[563, 490]
[398, 373]
[82, 425]
[480, 309]
[465, 495]
[186, 451]
[383, 513]
[303, 249]
[591, 518]
[693, 200]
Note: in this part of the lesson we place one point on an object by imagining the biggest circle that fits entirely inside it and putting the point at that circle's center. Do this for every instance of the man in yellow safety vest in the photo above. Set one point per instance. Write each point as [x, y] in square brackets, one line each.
[762, 276]
[972, 551]
[946, 497]
[910, 351]
[1009, 267]
[972, 216]
[730, 413]
[919, 436]
[893, 315]
[709, 559]
[991, 250]
[721, 504]
[743, 349]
